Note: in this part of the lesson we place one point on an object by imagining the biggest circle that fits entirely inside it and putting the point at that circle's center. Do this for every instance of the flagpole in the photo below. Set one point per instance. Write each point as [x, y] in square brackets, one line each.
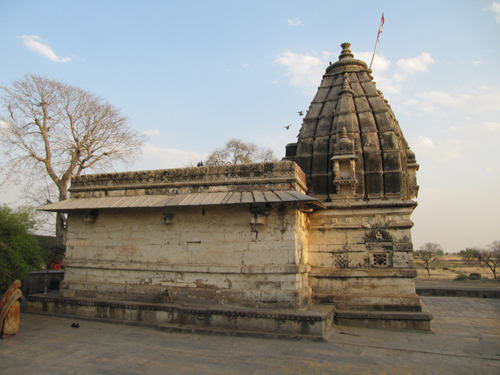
[373, 56]
[378, 35]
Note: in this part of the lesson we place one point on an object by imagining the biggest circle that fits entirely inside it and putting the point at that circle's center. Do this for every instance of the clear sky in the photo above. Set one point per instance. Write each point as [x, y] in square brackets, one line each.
[193, 74]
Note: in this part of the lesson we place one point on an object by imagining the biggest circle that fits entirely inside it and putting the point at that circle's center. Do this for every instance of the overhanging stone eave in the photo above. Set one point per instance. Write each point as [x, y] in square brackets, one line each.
[184, 200]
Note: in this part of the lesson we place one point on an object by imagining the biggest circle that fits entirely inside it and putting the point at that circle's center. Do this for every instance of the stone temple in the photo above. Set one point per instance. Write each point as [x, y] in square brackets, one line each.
[290, 248]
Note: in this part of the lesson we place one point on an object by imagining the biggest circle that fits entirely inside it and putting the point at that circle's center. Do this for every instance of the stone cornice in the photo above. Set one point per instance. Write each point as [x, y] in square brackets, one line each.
[265, 181]
[226, 175]
[387, 203]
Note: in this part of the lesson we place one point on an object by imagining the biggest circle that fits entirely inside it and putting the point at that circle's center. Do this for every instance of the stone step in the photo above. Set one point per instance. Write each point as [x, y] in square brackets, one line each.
[396, 320]
[235, 332]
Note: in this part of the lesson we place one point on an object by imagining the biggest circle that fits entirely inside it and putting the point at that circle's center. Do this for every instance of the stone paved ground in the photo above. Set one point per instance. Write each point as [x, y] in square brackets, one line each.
[466, 340]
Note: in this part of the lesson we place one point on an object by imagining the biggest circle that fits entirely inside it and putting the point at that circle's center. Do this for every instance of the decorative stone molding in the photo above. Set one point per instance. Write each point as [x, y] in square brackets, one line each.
[243, 173]
[240, 178]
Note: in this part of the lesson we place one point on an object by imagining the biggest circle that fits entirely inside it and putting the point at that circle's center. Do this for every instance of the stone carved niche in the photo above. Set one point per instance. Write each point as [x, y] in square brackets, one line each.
[344, 167]
[380, 246]
[380, 259]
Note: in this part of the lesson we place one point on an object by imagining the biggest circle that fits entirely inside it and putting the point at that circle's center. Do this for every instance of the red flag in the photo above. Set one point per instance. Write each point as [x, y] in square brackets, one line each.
[381, 25]
[379, 31]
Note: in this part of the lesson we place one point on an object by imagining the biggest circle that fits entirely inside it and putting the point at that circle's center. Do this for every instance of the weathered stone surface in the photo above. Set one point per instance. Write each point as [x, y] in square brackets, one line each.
[362, 257]
[213, 254]
[348, 99]
[312, 323]
[257, 176]
[248, 235]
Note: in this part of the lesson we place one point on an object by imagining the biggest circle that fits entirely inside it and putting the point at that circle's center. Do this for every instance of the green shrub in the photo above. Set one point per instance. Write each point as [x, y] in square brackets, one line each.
[462, 276]
[19, 249]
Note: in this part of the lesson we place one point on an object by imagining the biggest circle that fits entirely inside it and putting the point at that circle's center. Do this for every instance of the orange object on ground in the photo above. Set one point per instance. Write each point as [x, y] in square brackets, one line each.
[10, 309]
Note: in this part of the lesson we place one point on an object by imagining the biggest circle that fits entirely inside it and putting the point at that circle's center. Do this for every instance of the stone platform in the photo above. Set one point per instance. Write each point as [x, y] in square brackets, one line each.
[465, 340]
[313, 323]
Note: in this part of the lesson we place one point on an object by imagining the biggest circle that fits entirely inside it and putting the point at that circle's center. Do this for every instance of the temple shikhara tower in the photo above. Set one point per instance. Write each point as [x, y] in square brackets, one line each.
[358, 164]
[290, 248]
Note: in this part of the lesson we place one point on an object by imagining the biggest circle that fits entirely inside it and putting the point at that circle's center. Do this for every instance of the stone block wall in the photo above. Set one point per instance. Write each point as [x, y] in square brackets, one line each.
[212, 254]
[361, 258]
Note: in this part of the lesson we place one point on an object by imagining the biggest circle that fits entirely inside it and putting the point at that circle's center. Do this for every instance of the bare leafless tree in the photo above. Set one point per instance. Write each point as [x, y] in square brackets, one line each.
[48, 128]
[490, 257]
[235, 151]
[428, 254]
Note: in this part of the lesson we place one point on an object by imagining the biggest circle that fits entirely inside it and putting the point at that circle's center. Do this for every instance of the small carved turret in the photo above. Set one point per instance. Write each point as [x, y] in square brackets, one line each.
[344, 167]
[412, 167]
[346, 87]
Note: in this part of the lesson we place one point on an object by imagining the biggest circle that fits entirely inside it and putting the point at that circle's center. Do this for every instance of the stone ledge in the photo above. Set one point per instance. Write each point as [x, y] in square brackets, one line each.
[363, 272]
[311, 323]
[373, 203]
[232, 311]
[420, 321]
[385, 315]
[190, 329]
[405, 303]
[195, 268]
[263, 181]
[236, 333]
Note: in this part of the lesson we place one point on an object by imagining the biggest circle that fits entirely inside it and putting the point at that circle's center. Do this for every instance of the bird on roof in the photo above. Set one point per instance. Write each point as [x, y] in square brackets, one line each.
[288, 127]
[200, 164]
[301, 113]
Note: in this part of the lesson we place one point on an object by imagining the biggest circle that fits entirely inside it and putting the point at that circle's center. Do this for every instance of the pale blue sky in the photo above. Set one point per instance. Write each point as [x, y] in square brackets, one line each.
[193, 74]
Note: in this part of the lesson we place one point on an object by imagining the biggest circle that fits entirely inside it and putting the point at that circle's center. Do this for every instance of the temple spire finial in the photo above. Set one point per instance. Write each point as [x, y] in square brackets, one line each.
[346, 52]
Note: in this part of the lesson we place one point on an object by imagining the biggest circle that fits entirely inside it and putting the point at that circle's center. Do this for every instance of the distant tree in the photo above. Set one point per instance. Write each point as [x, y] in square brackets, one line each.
[467, 254]
[235, 151]
[48, 128]
[19, 249]
[428, 254]
[490, 257]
